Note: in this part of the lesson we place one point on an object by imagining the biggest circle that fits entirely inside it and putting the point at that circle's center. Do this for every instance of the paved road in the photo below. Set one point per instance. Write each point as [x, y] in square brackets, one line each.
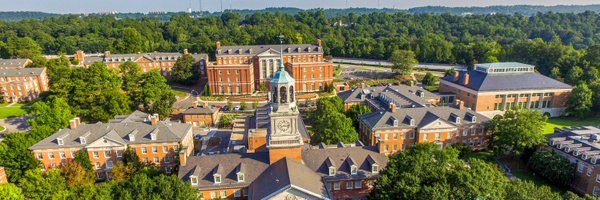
[429, 66]
[15, 124]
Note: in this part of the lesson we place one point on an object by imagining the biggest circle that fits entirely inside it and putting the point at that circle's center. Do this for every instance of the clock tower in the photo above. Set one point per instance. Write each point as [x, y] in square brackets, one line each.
[284, 138]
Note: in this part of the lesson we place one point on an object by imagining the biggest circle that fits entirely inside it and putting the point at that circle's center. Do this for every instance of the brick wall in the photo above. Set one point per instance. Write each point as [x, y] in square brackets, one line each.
[279, 153]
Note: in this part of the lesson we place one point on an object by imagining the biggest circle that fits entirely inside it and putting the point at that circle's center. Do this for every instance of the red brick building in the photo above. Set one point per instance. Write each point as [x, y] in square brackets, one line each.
[245, 69]
[22, 84]
[493, 88]
[164, 62]
[155, 142]
[3, 177]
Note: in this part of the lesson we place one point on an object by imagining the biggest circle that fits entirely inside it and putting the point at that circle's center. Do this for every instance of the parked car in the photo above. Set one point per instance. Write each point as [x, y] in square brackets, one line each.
[236, 107]
[225, 108]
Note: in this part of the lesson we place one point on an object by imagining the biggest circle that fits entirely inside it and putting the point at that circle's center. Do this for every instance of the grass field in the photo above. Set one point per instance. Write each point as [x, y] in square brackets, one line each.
[13, 111]
[567, 122]
[181, 94]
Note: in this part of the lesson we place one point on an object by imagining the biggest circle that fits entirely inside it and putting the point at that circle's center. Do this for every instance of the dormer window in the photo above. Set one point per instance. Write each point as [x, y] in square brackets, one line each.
[457, 120]
[375, 169]
[412, 122]
[240, 177]
[473, 119]
[395, 123]
[131, 137]
[60, 141]
[594, 160]
[82, 140]
[353, 170]
[331, 171]
[567, 149]
[153, 136]
[217, 178]
[584, 157]
[576, 153]
[194, 180]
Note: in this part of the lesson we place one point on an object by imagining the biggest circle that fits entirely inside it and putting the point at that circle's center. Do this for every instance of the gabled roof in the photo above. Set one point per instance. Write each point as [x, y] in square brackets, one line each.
[21, 72]
[228, 165]
[286, 174]
[403, 94]
[253, 50]
[480, 81]
[362, 157]
[117, 132]
[199, 110]
[422, 117]
[19, 62]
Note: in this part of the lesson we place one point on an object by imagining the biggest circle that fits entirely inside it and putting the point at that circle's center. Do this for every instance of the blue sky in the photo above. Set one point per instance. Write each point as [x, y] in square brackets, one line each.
[87, 6]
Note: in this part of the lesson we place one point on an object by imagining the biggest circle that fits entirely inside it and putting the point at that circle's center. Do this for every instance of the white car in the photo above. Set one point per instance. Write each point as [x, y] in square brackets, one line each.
[236, 107]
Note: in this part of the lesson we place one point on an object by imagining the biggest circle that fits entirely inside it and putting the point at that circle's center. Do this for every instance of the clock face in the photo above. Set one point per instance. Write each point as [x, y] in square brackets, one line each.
[283, 126]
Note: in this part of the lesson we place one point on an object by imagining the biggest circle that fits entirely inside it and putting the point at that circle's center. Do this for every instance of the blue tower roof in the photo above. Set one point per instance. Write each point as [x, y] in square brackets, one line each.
[282, 76]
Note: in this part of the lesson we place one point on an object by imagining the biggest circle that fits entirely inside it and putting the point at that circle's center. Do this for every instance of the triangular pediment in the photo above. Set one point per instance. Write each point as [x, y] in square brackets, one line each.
[144, 59]
[438, 124]
[269, 52]
[111, 139]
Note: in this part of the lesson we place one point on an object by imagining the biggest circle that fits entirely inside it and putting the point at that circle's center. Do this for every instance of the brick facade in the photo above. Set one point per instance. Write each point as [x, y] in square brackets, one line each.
[3, 177]
[23, 84]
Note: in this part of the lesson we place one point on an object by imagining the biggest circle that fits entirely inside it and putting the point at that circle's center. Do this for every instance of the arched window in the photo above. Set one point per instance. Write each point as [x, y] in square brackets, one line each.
[283, 94]
[291, 93]
[274, 94]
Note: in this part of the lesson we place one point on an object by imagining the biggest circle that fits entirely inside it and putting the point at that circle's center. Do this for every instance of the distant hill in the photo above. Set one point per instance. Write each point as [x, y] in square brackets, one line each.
[165, 16]
[521, 9]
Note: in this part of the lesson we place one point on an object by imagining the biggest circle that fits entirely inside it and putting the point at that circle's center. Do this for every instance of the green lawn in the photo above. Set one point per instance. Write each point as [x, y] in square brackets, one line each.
[2, 128]
[537, 180]
[181, 94]
[567, 122]
[13, 111]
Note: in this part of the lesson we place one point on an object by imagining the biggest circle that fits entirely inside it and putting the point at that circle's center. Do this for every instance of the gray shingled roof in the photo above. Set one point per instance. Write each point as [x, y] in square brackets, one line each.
[21, 72]
[317, 160]
[253, 50]
[198, 110]
[135, 116]
[203, 167]
[284, 174]
[480, 81]
[12, 62]
[422, 116]
[118, 132]
[156, 56]
[584, 140]
[402, 93]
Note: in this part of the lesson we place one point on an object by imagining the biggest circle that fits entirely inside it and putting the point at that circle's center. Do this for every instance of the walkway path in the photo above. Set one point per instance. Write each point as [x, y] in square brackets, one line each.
[15, 124]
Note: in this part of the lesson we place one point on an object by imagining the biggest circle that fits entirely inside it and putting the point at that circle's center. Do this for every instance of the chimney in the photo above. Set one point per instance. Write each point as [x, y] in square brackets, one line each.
[320, 42]
[204, 105]
[80, 56]
[393, 108]
[154, 119]
[185, 52]
[218, 44]
[466, 79]
[106, 54]
[362, 85]
[72, 124]
[456, 75]
[195, 104]
[77, 120]
[460, 104]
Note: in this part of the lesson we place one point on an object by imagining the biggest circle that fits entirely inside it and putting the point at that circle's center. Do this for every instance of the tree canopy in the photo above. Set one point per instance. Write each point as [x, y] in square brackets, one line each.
[330, 124]
[185, 70]
[517, 130]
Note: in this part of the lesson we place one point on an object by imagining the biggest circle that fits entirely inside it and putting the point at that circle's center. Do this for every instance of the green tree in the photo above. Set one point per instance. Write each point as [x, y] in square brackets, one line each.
[552, 166]
[527, 190]
[130, 157]
[44, 185]
[227, 120]
[428, 172]
[76, 175]
[355, 112]
[575, 74]
[54, 115]
[157, 96]
[132, 78]
[331, 125]
[131, 41]
[580, 101]
[449, 72]
[429, 79]
[517, 130]
[230, 104]
[243, 105]
[121, 172]
[15, 155]
[23, 47]
[83, 159]
[595, 87]
[10, 192]
[403, 61]
[207, 91]
[185, 70]
[255, 105]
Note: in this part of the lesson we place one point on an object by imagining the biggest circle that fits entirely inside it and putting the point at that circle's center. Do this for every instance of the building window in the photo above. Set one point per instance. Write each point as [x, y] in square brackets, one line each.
[240, 177]
[331, 171]
[395, 136]
[223, 194]
[107, 154]
[217, 178]
[237, 193]
[412, 135]
[349, 185]
[167, 159]
[40, 156]
[109, 164]
[154, 149]
[358, 184]
[589, 171]
[176, 148]
[144, 150]
[165, 149]
[395, 147]
[438, 136]
[336, 186]
[62, 155]
[425, 136]
[156, 160]
[96, 154]
[98, 165]
[353, 170]
[580, 167]
[387, 136]
[465, 131]
[387, 148]
[146, 160]
[119, 154]
[194, 180]
[375, 168]
[596, 191]
[213, 195]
